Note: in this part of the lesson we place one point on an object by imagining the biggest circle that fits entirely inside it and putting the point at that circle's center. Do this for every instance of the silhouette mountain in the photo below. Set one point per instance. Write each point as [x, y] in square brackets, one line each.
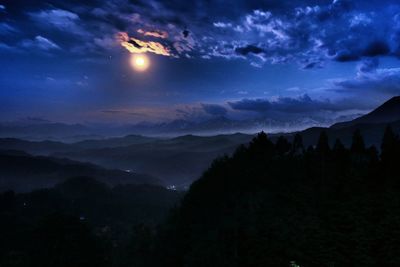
[20, 171]
[43, 130]
[178, 161]
[372, 125]
[34, 147]
[386, 113]
[47, 147]
[132, 139]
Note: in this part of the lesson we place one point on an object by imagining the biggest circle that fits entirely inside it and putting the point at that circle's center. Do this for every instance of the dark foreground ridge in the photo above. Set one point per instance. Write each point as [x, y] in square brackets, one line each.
[272, 204]
[23, 172]
[80, 222]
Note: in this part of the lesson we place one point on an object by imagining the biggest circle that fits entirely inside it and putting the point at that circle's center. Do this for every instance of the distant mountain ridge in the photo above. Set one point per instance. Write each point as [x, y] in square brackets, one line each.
[181, 160]
[178, 160]
[71, 133]
[20, 171]
[47, 147]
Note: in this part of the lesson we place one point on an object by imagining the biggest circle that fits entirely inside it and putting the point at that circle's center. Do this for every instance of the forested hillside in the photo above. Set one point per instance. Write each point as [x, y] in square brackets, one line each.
[275, 204]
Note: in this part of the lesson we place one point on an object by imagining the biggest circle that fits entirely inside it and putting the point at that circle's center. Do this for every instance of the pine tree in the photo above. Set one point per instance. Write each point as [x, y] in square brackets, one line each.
[338, 147]
[388, 146]
[323, 148]
[282, 146]
[261, 146]
[297, 147]
[358, 145]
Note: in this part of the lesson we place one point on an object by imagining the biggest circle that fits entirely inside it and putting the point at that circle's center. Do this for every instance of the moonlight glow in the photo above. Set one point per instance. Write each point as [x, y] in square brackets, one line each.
[140, 62]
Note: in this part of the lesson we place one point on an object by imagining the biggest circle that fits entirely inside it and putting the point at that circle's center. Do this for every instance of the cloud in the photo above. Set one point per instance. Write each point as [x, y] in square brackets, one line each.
[214, 109]
[58, 18]
[245, 50]
[360, 19]
[7, 48]
[242, 92]
[185, 33]
[134, 45]
[310, 64]
[372, 81]
[376, 48]
[122, 112]
[303, 32]
[35, 120]
[367, 66]
[302, 104]
[222, 25]
[310, 35]
[345, 56]
[40, 42]
[355, 53]
[156, 33]
[6, 29]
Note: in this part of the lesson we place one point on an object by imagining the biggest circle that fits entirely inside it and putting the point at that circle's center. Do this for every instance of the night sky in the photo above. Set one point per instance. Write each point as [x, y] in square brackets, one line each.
[299, 61]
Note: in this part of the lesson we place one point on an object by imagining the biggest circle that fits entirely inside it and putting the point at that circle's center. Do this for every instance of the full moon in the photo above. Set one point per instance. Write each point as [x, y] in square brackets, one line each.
[140, 62]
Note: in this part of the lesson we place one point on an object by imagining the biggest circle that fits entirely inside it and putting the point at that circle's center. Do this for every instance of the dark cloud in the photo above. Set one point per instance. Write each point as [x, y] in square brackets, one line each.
[376, 48]
[245, 50]
[371, 81]
[35, 120]
[214, 109]
[355, 53]
[313, 64]
[345, 56]
[185, 33]
[135, 43]
[118, 112]
[302, 104]
[113, 111]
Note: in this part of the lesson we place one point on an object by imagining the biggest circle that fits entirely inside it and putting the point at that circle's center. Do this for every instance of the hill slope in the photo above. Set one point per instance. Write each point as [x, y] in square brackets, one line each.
[268, 205]
[23, 172]
[372, 125]
[79, 222]
[387, 112]
[178, 161]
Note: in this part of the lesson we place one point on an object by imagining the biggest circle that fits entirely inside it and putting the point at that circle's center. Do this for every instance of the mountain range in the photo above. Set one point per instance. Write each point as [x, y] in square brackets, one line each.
[217, 124]
[178, 161]
[23, 172]
[372, 126]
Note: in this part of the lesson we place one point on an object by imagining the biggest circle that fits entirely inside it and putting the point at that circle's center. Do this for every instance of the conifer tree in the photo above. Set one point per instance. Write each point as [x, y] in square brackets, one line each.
[358, 145]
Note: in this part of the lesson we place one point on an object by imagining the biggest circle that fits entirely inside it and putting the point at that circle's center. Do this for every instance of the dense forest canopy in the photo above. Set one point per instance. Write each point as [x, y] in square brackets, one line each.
[279, 204]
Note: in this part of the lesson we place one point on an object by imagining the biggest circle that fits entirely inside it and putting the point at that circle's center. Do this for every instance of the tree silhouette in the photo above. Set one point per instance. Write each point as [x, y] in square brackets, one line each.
[323, 147]
[297, 147]
[282, 146]
[389, 146]
[264, 207]
[358, 145]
